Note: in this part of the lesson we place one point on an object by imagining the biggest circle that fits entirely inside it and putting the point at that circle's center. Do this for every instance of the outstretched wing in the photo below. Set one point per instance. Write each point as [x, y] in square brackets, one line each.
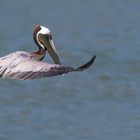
[32, 69]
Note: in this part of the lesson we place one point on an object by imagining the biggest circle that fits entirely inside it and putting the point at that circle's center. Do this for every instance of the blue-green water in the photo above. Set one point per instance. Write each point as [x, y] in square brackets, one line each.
[102, 103]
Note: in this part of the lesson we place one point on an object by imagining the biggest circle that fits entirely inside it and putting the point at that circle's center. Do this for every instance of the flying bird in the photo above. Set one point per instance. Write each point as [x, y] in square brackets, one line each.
[28, 65]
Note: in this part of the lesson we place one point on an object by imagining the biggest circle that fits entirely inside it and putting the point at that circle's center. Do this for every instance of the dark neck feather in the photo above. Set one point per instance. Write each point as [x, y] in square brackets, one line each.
[37, 29]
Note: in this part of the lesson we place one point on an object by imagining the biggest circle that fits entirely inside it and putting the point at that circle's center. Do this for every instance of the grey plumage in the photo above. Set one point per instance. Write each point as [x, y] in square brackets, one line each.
[28, 65]
[22, 65]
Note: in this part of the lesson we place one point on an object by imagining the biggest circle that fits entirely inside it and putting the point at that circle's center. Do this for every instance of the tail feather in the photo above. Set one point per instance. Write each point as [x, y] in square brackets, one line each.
[87, 65]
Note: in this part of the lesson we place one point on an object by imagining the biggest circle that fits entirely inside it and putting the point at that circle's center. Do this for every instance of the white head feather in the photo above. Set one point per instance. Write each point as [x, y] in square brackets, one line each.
[44, 30]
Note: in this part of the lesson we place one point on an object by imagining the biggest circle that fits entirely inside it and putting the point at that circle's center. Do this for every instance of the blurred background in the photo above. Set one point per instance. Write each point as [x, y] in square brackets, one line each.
[99, 103]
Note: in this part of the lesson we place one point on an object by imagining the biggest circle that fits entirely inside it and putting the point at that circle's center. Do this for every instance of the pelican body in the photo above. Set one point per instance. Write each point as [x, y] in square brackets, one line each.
[29, 65]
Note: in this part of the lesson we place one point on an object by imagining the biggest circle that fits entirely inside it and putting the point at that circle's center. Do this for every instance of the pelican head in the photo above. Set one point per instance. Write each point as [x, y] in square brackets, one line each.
[43, 39]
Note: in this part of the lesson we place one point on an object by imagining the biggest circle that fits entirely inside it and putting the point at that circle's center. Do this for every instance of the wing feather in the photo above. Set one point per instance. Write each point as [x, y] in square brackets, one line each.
[31, 69]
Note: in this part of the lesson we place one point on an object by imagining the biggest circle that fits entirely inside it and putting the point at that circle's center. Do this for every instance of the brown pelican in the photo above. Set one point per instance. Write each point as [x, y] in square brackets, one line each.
[28, 65]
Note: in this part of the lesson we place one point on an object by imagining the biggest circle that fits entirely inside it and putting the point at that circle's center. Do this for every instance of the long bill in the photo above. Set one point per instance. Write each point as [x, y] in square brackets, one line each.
[50, 47]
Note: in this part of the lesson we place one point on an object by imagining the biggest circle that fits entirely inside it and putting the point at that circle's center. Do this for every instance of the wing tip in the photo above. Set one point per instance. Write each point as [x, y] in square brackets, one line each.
[87, 65]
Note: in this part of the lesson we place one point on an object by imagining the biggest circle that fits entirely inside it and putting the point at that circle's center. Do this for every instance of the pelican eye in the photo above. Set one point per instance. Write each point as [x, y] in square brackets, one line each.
[49, 36]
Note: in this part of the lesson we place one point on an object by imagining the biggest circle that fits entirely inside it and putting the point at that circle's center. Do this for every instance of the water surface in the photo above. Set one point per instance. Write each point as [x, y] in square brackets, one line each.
[100, 103]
